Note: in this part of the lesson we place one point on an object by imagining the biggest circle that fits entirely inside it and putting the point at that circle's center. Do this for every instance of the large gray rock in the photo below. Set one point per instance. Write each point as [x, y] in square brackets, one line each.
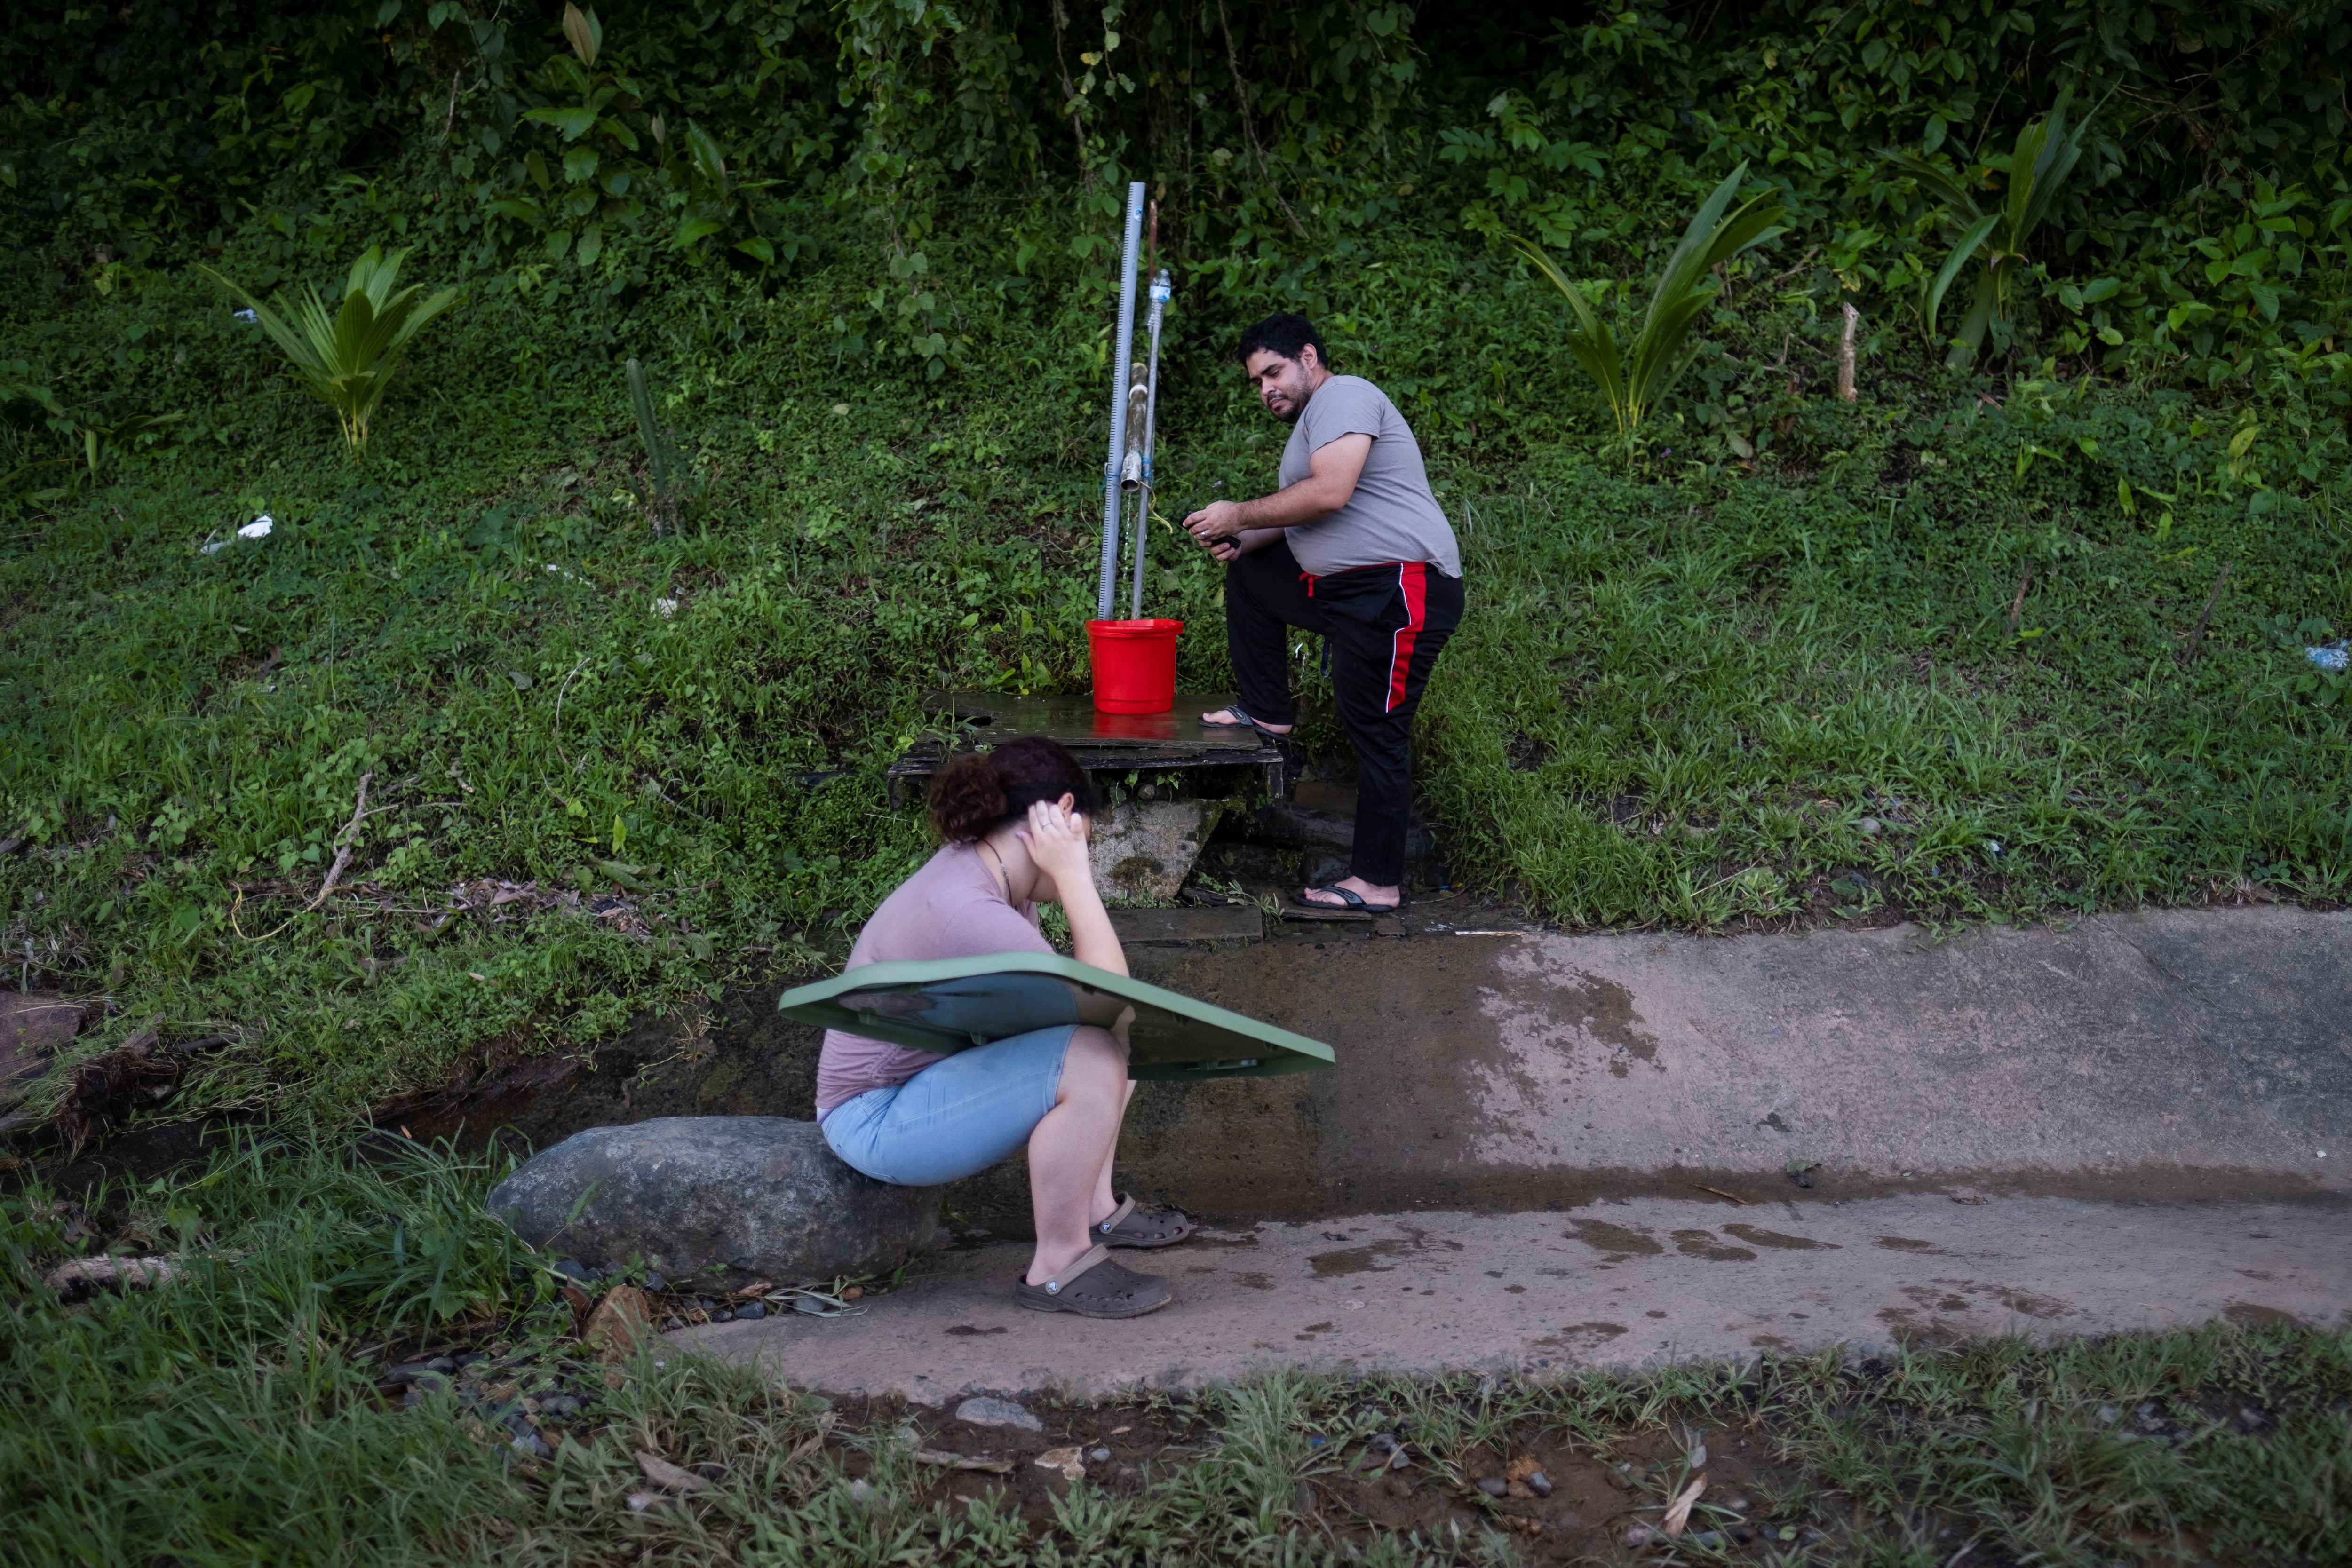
[1145, 849]
[749, 1195]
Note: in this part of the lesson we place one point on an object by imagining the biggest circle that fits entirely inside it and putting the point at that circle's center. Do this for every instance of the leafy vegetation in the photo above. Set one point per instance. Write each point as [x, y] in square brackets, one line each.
[347, 359]
[1634, 383]
[868, 394]
[242, 1413]
[2046, 153]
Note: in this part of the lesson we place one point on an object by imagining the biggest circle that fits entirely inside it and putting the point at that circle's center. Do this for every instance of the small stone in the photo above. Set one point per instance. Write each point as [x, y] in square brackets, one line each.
[572, 1269]
[466, 1360]
[1616, 1479]
[655, 1281]
[751, 1310]
[619, 1322]
[723, 1315]
[1384, 1442]
[1871, 827]
[1495, 1486]
[561, 1405]
[1540, 1484]
[529, 1444]
[1099, 1454]
[1638, 1535]
[987, 1412]
[639, 1501]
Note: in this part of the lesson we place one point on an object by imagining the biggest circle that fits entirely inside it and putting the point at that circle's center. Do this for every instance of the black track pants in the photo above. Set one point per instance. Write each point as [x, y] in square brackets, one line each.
[1385, 626]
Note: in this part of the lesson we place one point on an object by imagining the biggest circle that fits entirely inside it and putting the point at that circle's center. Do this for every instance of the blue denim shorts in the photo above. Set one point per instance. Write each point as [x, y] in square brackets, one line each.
[956, 1117]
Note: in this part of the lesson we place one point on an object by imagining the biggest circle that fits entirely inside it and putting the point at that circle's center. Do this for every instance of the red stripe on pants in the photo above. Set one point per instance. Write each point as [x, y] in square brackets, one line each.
[1411, 579]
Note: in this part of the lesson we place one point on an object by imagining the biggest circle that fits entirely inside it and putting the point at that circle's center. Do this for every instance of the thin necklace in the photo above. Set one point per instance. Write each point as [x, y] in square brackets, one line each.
[1004, 877]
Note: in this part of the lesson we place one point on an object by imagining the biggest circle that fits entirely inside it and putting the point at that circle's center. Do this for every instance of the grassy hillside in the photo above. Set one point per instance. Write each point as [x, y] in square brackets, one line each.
[1790, 659]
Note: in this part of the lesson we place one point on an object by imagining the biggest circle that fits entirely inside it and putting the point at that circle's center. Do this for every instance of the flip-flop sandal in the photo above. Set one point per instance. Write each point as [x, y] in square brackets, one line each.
[1349, 899]
[1095, 1286]
[1132, 1227]
[1249, 720]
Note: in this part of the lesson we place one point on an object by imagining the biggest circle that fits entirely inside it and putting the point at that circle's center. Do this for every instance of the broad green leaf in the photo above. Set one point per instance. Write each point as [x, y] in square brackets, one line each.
[573, 122]
[1962, 254]
[583, 32]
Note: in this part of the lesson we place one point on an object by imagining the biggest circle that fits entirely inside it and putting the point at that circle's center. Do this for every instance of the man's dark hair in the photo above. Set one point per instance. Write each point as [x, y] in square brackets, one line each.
[1287, 334]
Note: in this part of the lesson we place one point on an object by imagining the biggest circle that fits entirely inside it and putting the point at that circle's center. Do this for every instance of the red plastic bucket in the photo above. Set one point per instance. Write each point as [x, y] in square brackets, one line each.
[1135, 664]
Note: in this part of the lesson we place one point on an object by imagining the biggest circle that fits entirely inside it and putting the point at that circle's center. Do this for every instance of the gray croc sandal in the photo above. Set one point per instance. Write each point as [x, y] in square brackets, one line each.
[1132, 1227]
[1095, 1286]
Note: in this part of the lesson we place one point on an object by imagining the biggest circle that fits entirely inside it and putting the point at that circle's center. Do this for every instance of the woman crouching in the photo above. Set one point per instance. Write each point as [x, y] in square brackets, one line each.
[1013, 823]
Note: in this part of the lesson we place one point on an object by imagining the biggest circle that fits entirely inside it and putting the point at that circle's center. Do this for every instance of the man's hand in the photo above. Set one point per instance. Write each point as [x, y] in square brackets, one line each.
[1332, 472]
[1241, 544]
[1217, 520]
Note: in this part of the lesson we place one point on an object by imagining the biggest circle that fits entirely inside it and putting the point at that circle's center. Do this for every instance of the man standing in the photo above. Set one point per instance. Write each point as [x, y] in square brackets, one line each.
[1353, 547]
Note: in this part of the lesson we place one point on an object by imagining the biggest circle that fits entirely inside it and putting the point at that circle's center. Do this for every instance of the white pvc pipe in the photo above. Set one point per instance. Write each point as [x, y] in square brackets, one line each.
[1122, 369]
[1161, 293]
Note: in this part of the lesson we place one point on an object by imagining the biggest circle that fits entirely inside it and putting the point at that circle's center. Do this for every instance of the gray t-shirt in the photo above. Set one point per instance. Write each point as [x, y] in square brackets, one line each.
[1393, 516]
[952, 908]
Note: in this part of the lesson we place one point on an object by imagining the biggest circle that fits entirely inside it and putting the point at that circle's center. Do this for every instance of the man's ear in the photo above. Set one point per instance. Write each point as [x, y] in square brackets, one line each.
[1310, 358]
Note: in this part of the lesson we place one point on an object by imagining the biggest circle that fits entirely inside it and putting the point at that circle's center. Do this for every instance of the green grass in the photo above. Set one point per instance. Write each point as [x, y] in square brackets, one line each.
[1728, 703]
[233, 1417]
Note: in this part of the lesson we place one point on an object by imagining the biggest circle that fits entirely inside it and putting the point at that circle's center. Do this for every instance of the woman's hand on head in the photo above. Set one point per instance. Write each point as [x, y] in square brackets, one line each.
[1057, 839]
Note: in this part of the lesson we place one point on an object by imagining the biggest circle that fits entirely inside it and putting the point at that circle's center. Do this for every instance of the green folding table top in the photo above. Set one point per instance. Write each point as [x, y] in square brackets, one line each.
[949, 1004]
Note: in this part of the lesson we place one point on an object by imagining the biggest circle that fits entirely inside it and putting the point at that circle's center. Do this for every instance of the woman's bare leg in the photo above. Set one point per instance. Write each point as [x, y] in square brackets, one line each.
[1105, 1200]
[1070, 1151]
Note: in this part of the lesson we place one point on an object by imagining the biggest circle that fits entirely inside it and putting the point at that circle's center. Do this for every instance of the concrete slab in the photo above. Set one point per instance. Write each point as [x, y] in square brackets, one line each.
[1204, 922]
[2199, 1053]
[1628, 1284]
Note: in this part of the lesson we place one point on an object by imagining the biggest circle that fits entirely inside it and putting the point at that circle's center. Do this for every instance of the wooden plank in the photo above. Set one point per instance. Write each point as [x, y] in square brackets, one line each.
[1073, 721]
[1213, 923]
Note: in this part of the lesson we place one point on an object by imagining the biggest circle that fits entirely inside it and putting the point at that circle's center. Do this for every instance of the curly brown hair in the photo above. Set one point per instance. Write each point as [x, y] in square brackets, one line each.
[981, 791]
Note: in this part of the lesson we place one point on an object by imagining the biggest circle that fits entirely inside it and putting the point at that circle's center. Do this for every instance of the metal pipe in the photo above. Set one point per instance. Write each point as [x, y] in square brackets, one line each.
[1161, 292]
[1122, 362]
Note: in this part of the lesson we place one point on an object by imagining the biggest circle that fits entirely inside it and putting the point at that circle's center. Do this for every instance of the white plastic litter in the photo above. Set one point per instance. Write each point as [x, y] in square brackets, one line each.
[2333, 656]
[256, 529]
[246, 315]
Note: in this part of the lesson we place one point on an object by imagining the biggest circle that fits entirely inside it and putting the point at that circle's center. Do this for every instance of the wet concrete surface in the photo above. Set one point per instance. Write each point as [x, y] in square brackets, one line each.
[2186, 1055]
[2180, 1053]
[1617, 1283]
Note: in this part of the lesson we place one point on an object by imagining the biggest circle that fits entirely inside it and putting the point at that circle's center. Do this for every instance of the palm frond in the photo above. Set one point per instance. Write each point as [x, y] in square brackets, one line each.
[1634, 383]
[347, 356]
[2040, 162]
